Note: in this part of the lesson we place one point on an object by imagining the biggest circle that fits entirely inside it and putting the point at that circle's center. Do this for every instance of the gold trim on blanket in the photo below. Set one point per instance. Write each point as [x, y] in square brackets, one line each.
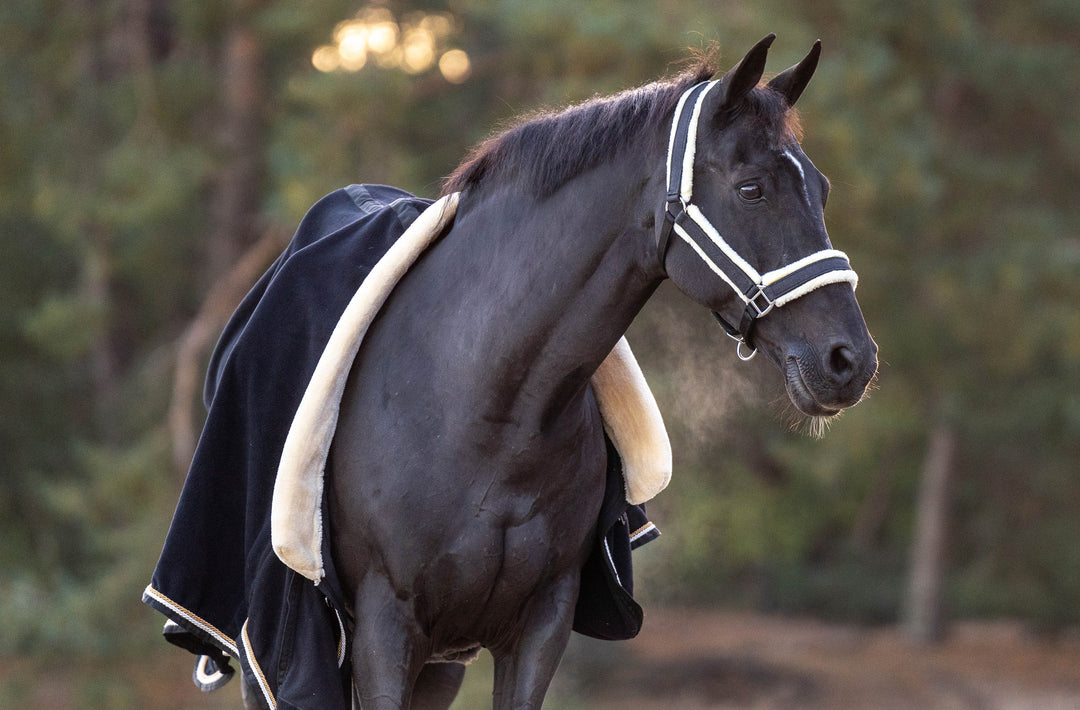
[223, 641]
[254, 663]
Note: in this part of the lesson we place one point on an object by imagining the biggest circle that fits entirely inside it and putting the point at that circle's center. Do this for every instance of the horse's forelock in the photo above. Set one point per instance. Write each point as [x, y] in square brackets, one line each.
[770, 114]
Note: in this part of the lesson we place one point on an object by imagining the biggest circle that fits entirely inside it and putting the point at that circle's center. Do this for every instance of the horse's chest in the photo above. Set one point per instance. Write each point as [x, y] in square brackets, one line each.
[468, 521]
[509, 540]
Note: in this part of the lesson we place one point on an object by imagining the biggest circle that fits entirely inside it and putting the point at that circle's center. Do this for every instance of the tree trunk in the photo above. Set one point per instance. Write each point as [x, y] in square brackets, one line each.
[95, 282]
[923, 620]
[235, 204]
[235, 253]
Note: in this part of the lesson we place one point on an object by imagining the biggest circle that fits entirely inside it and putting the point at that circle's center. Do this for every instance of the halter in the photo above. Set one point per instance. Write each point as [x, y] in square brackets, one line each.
[760, 292]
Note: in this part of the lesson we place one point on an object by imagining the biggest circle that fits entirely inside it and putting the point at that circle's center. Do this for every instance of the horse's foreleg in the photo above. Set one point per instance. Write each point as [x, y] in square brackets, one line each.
[437, 686]
[524, 670]
[387, 656]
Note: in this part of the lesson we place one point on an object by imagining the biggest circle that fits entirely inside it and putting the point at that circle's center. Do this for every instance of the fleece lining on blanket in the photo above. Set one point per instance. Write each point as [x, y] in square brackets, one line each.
[631, 417]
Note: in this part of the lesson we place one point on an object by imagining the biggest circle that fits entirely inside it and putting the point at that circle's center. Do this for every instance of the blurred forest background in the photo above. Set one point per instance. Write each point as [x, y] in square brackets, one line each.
[155, 154]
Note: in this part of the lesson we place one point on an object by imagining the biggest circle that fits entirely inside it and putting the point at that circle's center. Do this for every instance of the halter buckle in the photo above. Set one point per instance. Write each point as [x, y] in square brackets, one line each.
[670, 218]
[759, 302]
[675, 198]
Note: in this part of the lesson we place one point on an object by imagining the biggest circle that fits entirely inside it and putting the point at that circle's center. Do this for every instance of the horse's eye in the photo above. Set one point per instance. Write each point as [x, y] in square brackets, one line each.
[750, 192]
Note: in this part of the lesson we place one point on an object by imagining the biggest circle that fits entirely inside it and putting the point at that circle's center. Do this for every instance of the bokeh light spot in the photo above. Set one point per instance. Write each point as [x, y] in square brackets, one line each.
[455, 66]
[412, 45]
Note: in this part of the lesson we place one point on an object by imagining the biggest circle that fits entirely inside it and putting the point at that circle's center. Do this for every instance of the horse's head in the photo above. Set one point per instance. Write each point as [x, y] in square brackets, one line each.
[744, 234]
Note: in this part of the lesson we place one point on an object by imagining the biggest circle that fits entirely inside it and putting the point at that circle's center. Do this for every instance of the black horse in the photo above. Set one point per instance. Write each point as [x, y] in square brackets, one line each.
[469, 461]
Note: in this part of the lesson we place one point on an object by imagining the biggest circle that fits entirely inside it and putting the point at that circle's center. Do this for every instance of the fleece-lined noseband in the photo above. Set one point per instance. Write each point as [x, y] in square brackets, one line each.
[760, 292]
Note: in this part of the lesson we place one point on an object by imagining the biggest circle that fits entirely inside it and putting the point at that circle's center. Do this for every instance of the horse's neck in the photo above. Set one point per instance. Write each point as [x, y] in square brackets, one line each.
[566, 277]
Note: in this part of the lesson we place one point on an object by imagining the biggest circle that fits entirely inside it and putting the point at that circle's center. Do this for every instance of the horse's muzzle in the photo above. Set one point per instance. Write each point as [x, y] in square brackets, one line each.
[822, 382]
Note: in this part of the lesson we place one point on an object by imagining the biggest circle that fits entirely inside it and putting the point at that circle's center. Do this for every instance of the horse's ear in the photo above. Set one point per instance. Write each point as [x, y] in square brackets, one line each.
[791, 82]
[745, 75]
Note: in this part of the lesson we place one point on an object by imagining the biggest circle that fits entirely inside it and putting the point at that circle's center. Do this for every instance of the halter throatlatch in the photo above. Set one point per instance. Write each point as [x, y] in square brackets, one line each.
[759, 292]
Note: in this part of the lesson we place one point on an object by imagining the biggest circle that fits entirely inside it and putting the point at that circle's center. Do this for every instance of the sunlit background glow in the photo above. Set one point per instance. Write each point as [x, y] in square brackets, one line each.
[415, 44]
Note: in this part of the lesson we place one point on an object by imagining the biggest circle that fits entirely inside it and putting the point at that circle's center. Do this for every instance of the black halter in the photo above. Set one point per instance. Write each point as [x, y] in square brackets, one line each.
[760, 292]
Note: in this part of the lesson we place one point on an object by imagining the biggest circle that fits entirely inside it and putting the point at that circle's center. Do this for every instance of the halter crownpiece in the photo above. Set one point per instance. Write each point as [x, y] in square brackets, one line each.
[759, 292]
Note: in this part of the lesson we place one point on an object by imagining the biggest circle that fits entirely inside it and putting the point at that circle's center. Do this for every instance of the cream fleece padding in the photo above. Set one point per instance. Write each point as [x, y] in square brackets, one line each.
[295, 515]
[631, 416]
[632, 420]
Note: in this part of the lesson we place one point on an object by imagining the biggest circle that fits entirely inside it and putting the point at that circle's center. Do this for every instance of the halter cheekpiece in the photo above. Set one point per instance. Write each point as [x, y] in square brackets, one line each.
[760, 292]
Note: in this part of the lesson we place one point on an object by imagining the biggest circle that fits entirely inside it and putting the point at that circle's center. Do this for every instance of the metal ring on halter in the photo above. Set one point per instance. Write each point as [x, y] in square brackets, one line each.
[745, 358]
[742, 343]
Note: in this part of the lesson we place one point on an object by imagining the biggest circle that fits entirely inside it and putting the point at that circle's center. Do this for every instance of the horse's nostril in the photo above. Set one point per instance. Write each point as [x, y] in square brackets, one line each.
[842, 363]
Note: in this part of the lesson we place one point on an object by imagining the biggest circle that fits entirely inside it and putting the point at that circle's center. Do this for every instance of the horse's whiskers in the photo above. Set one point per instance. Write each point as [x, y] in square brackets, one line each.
[817, 426]
[814, 426]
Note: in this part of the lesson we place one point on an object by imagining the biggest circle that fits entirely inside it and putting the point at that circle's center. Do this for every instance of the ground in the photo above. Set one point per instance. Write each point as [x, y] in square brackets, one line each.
[684, 659]
[696, 660]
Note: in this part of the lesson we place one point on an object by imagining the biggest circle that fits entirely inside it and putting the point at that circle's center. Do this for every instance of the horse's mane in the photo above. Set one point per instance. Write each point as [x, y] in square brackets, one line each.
[550, 148]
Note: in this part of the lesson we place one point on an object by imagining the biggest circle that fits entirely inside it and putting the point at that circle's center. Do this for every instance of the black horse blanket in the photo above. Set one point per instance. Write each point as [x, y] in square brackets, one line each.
[224, 591]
